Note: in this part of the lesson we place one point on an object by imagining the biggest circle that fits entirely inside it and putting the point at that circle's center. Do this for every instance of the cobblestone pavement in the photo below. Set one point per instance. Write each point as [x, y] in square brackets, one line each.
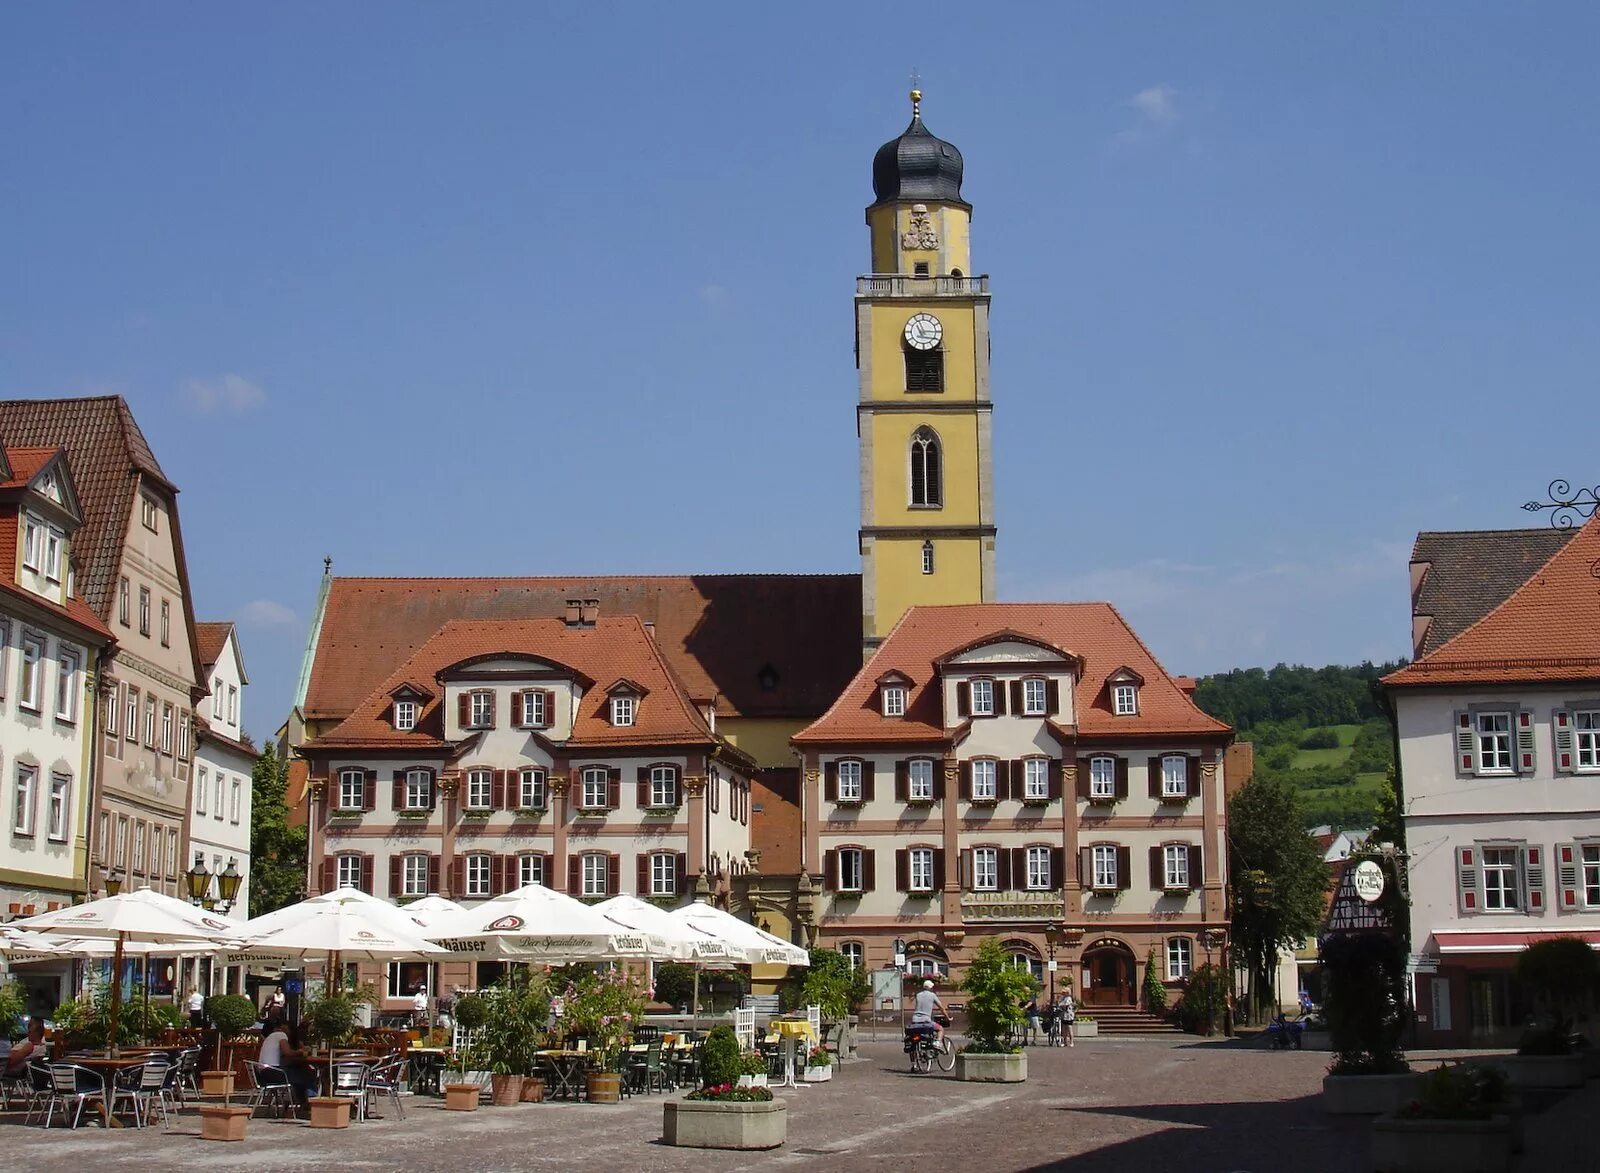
[1141, 1105]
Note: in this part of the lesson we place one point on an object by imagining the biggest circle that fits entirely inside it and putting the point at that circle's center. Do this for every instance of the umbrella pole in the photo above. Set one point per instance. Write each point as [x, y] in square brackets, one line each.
[694, 1018]
[116, 996]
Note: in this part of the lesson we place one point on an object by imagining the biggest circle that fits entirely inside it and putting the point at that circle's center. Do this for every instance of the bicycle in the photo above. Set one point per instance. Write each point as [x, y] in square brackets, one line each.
[926, 1049]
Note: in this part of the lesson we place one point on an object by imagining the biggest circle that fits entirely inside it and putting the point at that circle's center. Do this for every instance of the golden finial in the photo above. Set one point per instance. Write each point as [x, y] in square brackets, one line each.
[916, 94]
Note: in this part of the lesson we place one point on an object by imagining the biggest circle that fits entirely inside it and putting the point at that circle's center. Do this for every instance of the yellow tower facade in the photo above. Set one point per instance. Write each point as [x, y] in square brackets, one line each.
[923, 419]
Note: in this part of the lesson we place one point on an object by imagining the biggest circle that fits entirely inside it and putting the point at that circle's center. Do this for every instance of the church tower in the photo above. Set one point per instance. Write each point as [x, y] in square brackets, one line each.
[922, 350]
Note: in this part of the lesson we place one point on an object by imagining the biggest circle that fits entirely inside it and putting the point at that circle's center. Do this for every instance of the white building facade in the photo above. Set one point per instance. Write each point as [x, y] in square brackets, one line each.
[219, 808]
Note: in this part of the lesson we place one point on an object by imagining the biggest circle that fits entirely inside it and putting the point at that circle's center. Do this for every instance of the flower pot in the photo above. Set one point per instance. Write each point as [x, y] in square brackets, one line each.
[984, 1068]
[753, 1080]
[603, 1087]
[1441, 1146]
[462, 1097]
[704, 1124]
[505, 1090]
[216, 1083]
[223, 1121]
[818, 1074]
[1367, 1095]
[1085, 1030]
[532, 1089]
[330, 1112]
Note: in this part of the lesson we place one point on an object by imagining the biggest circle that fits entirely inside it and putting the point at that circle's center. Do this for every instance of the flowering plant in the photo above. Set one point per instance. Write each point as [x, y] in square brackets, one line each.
[729, 1093]
[819, 1057]
[605, 1007]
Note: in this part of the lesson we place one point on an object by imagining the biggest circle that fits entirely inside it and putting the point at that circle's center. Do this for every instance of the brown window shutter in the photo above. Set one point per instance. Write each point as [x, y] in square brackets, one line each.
[641, 875]
[458, 876]
[1052, 697]
[938, 869]
[497, 790]
[964, 870]
[1194, 777]
[1086, 867]
[549, 708]
[869, 869]
[1002, 869]
[1154, 774]
[1083, 779]
[1158, 874]
[1122, 778]
[397, 792]
[830, 782]
[866, 781]
[1019, 866]
[1016, 696]
[330, 873]
[830, 870]
[614, 787]
[677, 787]
[902, 869]
[1002, 780]
[369, 789]
[963, 699]
[366, 874]
[966, 781]
[902, 780]
[464, 709]
[433, 790]
[433, 874]
[1058, 867]
[1124, 867]
[394, 876]
[938, 780]
[574, 875]
[999, 691]
[516, 710]
[547, 868]
[642, 787]
[1053, 779]
[497, 875]
[683, 872]
[1197, 873]
[613, 874]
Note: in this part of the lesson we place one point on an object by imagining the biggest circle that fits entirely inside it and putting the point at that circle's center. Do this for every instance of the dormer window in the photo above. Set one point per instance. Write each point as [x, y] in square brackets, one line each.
[983, 698]
[894, 700]
[477, 709]
[533, 708]
[1125, 700]
[623, 710]
[1035, 695]
[405, 716]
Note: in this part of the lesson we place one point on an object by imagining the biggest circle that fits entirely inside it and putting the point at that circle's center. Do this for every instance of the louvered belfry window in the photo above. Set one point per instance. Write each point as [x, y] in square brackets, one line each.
[924, 370]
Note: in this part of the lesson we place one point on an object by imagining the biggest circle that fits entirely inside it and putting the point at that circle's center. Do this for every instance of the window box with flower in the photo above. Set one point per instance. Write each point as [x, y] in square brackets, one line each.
[477, 814]
[530, 812]
[661, 812]
[819, 1066]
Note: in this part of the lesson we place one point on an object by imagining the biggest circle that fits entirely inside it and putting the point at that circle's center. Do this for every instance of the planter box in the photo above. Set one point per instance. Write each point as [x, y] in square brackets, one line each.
[532, 1089]
[1441, 1146]
[462, 1097]
[216, 1083]
[694, 1124]
[991, 1068]
[223, 1121]
[603, 1087]
[1367, 1095]
[818, 1074]
[1085, 1030]
[506, 1090]
[330, 1111]
[752, 1081]
[1542, 1070]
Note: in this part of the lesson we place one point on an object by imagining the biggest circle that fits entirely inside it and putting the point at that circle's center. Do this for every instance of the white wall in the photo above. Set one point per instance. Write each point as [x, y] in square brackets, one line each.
[222, 834]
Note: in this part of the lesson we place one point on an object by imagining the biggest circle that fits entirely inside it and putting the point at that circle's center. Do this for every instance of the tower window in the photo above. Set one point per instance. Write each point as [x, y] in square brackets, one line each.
[927, 481]
[927, 557]
[924, 370]
[920, 269]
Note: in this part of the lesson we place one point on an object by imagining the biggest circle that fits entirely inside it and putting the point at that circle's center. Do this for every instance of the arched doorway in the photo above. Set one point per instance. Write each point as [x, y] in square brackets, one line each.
[1107, 974]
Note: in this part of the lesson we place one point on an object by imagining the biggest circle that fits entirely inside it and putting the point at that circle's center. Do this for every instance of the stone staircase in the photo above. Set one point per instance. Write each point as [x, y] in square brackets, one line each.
[1128, 1020]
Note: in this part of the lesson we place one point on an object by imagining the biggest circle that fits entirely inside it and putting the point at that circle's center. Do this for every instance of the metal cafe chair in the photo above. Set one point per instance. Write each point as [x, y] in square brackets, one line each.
[142, 1087]
[384, 1080]
[71, 1087]
[350, 1081]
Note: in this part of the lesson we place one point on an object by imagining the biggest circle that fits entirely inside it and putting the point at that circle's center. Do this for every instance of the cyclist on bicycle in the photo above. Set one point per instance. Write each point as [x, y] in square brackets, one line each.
[922, 1014]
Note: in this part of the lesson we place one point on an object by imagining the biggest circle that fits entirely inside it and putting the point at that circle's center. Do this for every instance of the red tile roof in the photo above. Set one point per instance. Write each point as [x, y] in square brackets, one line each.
[25, 464]
[718, 631]
[613, 647]
[210, 639]
[1547, 630]
[1093, 632]
[1471, 572]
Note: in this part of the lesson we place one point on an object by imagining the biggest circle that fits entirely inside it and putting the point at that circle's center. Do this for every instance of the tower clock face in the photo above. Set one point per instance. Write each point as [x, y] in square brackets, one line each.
[923, 332]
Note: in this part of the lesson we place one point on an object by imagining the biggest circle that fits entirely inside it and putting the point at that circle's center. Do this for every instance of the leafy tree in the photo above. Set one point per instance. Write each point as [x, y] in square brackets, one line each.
[1155, 992]
[277, 850]
[674, 984]
[1563, 974]
[995, 991]
[1277, 878]
[13, 1005]
[1364, 998]
[1200, 1008]
[834, 984]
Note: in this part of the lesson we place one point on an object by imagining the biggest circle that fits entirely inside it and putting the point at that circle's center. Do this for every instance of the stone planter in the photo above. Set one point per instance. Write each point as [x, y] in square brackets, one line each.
[1367, 1095]
[223, 1121]
[818, 1074]
[505, 1090]
[330, 1111]
[975, 1068]
[697, 1124]
[532, 1089]
[462, 1097]
[1441, 1146]
[603, 1087]
[752, 1081]
[1542, 1070]
[1085, 1030]
[216, 1083]
[1512, 1110]
[1591, 1062]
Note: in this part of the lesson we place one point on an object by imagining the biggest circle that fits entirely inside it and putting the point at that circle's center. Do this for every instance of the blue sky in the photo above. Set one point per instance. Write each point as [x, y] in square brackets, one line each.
[508, 288]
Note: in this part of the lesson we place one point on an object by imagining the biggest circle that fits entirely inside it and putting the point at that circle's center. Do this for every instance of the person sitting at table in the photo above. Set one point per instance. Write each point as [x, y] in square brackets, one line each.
[29, 1048]
[282, 1049]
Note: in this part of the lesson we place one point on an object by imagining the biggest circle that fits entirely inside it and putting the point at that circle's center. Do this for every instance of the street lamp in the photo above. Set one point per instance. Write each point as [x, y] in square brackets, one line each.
[114, 883]
[1052, 938]
[199, 879]
[228, 884]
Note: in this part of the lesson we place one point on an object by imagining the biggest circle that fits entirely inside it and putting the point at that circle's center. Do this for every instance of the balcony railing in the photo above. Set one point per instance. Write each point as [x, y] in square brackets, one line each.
[901, 285]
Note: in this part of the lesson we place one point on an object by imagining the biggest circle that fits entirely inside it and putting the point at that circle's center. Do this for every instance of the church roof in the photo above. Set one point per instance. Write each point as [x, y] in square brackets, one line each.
[917, 166]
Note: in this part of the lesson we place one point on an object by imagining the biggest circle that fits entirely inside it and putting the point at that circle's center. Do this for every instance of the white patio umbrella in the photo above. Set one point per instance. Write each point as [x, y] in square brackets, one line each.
[338, 928]
[664, 933]
[535, 923]
[375, 908]
[24, 946]
[432, 910]
[141, 915]
[745, 943]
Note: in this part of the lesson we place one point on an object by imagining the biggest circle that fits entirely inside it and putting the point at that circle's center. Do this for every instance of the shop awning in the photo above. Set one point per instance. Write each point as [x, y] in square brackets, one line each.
[1505, 942]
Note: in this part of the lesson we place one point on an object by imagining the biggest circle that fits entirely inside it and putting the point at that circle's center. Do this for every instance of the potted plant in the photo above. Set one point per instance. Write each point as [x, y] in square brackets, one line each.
[1451, 1124]
[230, 1014]
[819, 1065]
[996, 991]
[331, 1019]
[516, 1013]
[721, 1115]
[1561, 973]
[604, 1007]
[836, 988]
[1155, 990]
[752, 1070]
[462, 1095]
[1364, 978]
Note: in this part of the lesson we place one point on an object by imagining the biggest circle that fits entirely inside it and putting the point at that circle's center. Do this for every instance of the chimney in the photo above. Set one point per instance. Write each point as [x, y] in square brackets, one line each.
[590, 612]
[650, 631]
[574, 614]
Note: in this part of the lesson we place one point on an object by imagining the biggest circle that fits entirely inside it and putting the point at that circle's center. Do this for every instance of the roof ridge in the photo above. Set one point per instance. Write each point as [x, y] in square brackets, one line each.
[367, 578]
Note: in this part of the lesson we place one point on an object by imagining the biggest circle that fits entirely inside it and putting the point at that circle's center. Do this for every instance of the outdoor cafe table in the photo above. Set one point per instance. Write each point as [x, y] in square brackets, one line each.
[427, 1064]
[566, 1069]
[108, 1068]
[793, 1031]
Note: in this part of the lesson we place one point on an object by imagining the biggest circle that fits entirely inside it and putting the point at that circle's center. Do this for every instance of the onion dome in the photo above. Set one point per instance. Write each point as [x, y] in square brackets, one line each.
[917, 165]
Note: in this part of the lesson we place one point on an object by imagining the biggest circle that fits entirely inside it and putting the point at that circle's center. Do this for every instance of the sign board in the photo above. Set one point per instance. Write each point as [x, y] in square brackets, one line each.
[294, 985]
[886, 988]
[1368, 880]
[1350, 912]
[1052, 965]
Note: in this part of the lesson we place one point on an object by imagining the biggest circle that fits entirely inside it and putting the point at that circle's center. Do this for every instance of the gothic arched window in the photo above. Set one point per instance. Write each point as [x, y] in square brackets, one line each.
[927, 478]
